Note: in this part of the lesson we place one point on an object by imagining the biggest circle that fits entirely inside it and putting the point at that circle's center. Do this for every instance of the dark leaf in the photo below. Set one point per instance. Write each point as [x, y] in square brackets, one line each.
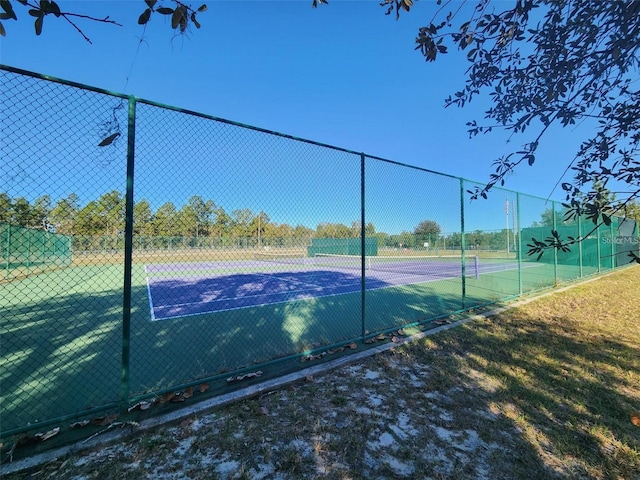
[151, 3]
[8, 8]
[35, 13]
[203, 7]
[104, 421]
[178, 17]
[606, 219]
[144, 18]
[80, 424]
[54, 8]
[109, 140]
[194, 20]
[165, 11]
[47, 435]
[38, 25]
[2, 30]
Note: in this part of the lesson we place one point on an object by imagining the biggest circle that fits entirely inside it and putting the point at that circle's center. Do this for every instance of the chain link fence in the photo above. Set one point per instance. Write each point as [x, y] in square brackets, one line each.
[192, 252]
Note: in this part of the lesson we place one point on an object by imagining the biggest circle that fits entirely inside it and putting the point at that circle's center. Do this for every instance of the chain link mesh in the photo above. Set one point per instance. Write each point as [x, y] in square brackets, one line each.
[61, 329]
[247, 249]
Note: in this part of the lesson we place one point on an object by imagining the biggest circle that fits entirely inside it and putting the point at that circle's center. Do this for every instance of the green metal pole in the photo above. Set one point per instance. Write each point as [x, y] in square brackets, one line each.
[519, 244]
[363, 280]
[128, 257]
[612, 244]
[463, 245]
[8, 251]
[598, 249]
[45, 244]
[555, 250]
[580, 252]
[28, 251]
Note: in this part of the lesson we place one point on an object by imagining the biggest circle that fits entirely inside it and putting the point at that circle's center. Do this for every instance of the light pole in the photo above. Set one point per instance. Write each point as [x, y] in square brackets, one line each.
[259, 239]
[506, 211]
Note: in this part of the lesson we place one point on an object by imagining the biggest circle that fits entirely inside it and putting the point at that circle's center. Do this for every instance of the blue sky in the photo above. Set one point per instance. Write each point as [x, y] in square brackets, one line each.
[343, 74]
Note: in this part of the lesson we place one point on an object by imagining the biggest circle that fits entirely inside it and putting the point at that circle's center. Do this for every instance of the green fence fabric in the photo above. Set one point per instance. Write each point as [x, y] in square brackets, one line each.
[625, 240]
[186, 242]
[342, 246]
[27, 250]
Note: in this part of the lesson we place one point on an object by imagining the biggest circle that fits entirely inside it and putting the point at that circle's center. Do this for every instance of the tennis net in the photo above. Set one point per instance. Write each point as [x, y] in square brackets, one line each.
[432, 265]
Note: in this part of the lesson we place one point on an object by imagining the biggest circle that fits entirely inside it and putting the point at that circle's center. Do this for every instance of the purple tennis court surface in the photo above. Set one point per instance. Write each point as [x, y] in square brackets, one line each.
[180, 290]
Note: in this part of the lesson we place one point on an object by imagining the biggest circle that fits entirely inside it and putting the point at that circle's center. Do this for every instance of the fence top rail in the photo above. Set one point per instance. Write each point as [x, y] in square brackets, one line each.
[70, 83]
[249, 127]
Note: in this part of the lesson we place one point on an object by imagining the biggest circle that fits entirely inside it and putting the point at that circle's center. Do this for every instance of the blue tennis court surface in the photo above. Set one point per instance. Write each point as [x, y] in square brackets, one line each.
[185, 289]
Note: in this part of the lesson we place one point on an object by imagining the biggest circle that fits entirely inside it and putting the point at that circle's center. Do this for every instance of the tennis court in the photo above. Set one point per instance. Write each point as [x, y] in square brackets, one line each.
[215, 265]
[186, 289]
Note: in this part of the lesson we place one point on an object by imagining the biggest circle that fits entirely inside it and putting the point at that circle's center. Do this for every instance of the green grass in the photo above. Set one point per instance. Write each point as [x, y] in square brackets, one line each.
[543, 391]
[62, 337]
[62, 334]
[564, 370]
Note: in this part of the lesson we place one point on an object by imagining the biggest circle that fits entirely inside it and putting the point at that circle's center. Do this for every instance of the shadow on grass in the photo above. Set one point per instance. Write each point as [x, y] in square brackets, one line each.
[60, 356]
[568, 395]
[62, 348]
[62, 337]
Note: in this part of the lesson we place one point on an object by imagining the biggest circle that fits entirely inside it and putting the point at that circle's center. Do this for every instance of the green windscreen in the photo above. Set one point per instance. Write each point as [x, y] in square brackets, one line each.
[342, 246]
[28, 250]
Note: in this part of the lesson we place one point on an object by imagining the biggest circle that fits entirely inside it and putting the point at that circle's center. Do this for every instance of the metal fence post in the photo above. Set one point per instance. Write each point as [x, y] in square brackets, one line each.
[599, 249]
[580, 250]
[463, 244]
[363, 280]
[128, 256]
[519, 244]
[8, 252]
[555, 250]
[612, 244]
[28, 252]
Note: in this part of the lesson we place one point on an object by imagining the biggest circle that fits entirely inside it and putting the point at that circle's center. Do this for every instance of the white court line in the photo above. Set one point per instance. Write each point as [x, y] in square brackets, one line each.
[281, 301]
[419, 279]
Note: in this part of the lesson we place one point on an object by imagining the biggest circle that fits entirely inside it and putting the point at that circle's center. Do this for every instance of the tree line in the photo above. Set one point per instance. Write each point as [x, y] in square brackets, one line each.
[105, 216]
[565, 64]
[199, 218]
[202, 218]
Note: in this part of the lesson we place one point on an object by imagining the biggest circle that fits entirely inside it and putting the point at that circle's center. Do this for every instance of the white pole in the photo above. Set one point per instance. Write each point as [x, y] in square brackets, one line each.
[506, 211]
[259, 240]
[513, 223]
[444, 236]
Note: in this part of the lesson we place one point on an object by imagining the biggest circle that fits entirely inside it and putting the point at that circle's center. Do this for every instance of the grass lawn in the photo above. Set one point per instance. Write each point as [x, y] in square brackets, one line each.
[545, 390]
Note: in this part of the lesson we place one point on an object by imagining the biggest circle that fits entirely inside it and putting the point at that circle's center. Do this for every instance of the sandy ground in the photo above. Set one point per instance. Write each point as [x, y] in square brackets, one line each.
[379, 418]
